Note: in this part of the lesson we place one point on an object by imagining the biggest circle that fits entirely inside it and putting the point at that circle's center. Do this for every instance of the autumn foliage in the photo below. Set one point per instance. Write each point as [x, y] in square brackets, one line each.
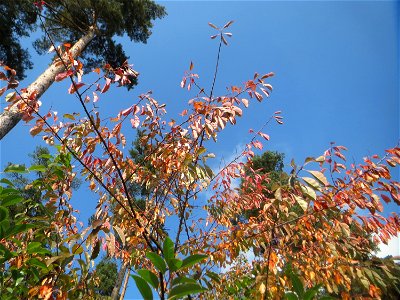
[322, 224]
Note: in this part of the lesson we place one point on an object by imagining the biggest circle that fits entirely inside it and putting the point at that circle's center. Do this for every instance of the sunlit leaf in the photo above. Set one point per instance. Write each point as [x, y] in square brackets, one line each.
[192, 259]
[157, 261]
[143, 287]
[185, 289]
[149, 276]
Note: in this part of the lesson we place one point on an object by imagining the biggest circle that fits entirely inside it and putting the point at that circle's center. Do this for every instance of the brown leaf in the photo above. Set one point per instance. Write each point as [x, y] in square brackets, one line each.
[228, 24]
[2, 90]
[212, 25]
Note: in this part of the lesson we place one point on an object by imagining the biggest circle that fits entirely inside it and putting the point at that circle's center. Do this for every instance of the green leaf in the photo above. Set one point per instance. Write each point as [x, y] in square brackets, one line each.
[213, 276]
[185, 289]
[291, 296]
[200, 151]
[192, 259]
[157, 261]
[310, 293]
[180, 280]
[3, 214]
[16, 169]
[297, 285]
[168, 249]
[37, 263]
[143, 287]
[6, 181]
[149, 276]
[11, 200]
[20, 228]
[174, 264]
[77, 249]
[37, 168]
[36, 247]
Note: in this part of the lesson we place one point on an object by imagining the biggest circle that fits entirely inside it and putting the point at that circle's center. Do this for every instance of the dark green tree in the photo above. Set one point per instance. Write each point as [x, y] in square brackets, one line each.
[270, 162]
[39, 157]
[107, 272]
[18, 19]
[88, 25]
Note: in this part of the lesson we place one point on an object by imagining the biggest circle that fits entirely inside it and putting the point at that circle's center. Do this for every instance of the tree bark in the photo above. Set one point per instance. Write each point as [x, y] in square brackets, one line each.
[120, 278]
[10, 118]
[125, 284]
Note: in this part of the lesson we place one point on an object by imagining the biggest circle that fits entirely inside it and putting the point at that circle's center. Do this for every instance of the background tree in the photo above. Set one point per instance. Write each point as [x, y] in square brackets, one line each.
[85, 28]
[18, 19]
[271, 163]
[107, 272]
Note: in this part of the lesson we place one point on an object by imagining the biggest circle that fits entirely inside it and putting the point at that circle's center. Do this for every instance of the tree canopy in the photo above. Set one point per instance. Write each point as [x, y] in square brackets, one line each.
[67, 20]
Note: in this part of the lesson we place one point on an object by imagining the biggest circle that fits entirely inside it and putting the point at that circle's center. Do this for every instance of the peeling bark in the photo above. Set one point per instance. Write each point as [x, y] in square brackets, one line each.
[10, 118]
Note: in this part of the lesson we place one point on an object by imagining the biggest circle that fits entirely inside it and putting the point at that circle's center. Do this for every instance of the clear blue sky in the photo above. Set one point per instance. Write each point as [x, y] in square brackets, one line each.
[336, 66]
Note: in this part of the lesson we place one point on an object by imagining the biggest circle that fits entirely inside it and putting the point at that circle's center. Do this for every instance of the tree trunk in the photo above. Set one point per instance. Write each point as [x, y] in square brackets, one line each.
[125, 284]
[10, 118]
[120, 278]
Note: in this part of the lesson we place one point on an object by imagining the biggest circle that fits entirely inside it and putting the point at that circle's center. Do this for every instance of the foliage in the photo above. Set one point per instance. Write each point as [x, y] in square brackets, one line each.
[270, 163]
[68, 20]
[38, 251]
[320, 221]
[106, 271]
[18, 19]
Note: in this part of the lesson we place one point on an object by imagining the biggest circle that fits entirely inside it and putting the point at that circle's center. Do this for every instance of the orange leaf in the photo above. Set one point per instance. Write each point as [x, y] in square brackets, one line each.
[198, 105]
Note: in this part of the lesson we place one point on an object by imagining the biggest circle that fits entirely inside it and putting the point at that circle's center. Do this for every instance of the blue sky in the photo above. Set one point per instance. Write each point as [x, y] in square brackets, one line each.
[336, 66]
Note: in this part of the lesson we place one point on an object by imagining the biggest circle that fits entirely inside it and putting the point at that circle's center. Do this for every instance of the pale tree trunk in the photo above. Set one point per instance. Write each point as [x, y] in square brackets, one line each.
[120, 278]
[10, 118]
[125, 284]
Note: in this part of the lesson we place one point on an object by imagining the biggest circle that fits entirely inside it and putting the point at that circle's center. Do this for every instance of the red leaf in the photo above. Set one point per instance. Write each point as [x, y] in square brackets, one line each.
[270, 74]
[265, 92]
[106, 86]
[3, 90]
[127, 111]
[257, 144]
[265, 136]
[191, 66]
[183, 82]
[74, 87]
[258, 96]
[62, 76]
[385, 198]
